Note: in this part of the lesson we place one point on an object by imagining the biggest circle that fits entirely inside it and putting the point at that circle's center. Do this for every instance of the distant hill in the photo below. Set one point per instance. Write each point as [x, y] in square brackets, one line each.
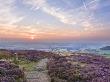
[105, 48]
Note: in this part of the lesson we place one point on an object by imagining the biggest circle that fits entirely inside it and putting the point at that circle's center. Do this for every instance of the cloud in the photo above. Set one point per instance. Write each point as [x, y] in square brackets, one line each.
[7, 14]
[36, 4]
[51, 10]
[71, 16]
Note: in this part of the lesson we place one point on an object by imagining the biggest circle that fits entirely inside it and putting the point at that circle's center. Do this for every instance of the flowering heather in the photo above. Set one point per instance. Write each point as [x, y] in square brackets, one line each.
[10, 72]
[79, 68]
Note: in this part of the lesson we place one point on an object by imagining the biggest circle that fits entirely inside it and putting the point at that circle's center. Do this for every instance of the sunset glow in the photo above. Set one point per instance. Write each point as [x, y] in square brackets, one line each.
[32, 37]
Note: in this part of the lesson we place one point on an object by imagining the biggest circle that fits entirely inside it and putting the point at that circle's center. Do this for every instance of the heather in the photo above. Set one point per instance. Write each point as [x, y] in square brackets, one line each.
[79, 68]
[10, 72]
[42, 66]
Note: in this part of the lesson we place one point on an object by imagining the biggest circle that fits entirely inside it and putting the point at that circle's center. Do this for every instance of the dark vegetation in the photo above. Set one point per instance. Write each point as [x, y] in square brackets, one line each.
[10, 72]
[79, 68]
[13, 63]
[32, 55]
[105, 48]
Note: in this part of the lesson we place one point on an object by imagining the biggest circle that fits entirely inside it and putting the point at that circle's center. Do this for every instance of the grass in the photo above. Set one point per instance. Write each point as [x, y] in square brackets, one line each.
[105, 53]
[26, 65]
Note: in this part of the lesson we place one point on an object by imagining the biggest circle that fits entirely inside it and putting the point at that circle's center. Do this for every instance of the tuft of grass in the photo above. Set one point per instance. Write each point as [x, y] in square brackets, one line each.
[27, 65]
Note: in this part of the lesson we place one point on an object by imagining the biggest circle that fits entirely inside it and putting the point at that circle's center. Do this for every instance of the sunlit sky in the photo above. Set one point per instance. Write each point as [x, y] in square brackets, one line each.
[54, 20]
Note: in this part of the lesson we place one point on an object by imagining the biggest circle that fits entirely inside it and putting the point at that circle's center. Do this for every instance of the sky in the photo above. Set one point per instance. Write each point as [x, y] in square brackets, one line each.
[55, 20]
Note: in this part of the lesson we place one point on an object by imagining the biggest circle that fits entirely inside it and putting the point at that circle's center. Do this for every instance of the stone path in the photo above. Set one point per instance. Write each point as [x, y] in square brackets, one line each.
[39, 74]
